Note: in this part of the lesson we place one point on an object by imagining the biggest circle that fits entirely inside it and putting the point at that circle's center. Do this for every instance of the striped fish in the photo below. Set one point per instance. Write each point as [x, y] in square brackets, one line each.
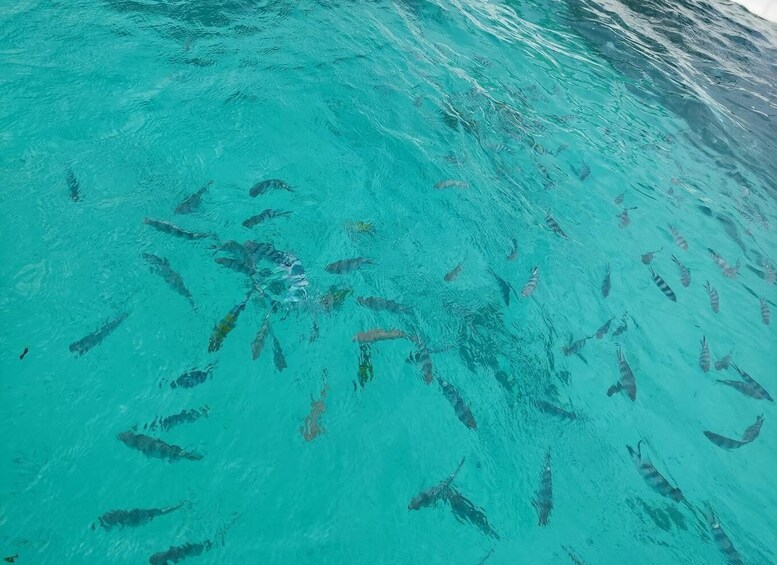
[754, 430]
[606, 283]
[652, 477]
[554, 410]
[465, 511]
[267, 185]
[623, 219]
[235, 264]
[627, 381]
[722, 541]
[226, 325]
[543, 500]
[766, 315]
[678, 238]
[264, 216]
[685, 274]
[746, 388]
[704, 357]
[601, 332]
[422, 356]
[551, 222]
[754, 387]
[347, 265]
[723, 441]
[430, 496]
[661, 284]
[769, 274]
[161, 266]
[192, 202]
[723, 363]
[167, 227]
[257, 345]
[531, 284]
[463, 412]
[728, 270]
[714, 299]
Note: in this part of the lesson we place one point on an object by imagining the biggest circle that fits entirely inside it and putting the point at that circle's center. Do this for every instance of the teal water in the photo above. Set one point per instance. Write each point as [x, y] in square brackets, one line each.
[363, 108]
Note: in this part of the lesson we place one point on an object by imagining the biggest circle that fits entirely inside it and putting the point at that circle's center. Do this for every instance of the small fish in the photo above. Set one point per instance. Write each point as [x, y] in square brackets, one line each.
[83, 345]
[24, 353]
[432, 495]
[623, 219]
[463, 412]
[770, 276]
[347, 265]
[267, 185]
[465, 511]
[167, 227]
[177, 553]
[312, 427]
[191, 379]
[183, 417]
[723, 363]
[584, 171]
[574, 347]
[685, 275]
[257, 345]
[652, 477]
[264, 216]
[766, 315]
[714, 299]
[156, 448]
[704, 356]
[574, 558]
[728, 271]
[237, 265]
[554, 410]
[192, 202]
[622, 328]
[647, 258]
[372, 336]
[750, 434]
[423, 357]
[226, 325]
[606, 283]
[277, 354]
[174, 280]
[451, 183]
[619, 199]
[313, 332]
[365, 372]
[335, 298]
[661, 284]
[378, 304]
[454, 273]
[753, 430]
[505, 288]
[678, 238]
[132, 518]
[237, 250]
[551, 222]
[722, 541]
[543, 500]
[627, 381]
[601, 332]
[513, 255]
[72, 184]
[531, 284]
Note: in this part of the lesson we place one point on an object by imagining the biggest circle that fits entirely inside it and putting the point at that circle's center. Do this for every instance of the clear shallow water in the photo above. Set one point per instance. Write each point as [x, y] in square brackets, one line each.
[355, 106]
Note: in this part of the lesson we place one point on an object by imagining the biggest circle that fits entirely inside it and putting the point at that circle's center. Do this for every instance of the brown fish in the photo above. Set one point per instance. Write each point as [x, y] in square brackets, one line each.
[312, 427]
[372, 336]
[347, 265]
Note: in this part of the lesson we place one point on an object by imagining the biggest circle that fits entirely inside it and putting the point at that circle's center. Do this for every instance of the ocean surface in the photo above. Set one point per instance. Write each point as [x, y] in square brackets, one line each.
[227, 382]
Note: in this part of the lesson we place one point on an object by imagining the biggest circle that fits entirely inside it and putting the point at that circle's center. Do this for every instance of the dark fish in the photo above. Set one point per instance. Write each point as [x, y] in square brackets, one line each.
[312, 427]
[543, 500]
[574, 558]
[347, 265]
[375, 303]
[423, 357]
[237, 250]
[161, 267]
[167, 227]
[714, 299]
[313, 332]
[622, 328]
[267, 185]
[754, 430]
[261, 336]
[573, 347]
[335, 298]
[728, 271]
[365, 371]
[723, 363]
[724, 442]
[72, 184]
[226, 325]
[551, 222]
[192, 202]
[465, 511]
[623, 219]
[606, 284]
[277, 354]
[264, 216]
[156, 448]
[661, 284]
[83, 345]
[183, 417]
[685, 275]
[378, 335]
[748, 386]
[554, 410]
[237, 265]
[647, 258]
[678, 238]
[583, 171]
[430, 496]
[191, 379]
[24, 353]
[601, 332]
[133, 518]
[463, 412]
[619, 199]
[722, 541]
[514, 251]
[766, 316]
[178, 553]
[453, 274]
[504, 287]
[11, 558]
[652, 477]
[704, 356]
[531, 284]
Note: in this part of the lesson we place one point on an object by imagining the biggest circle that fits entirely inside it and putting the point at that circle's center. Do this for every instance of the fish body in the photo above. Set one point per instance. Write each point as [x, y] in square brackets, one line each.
[722, 541]
[766, 315]
[714, 298]
[543, 501]
[156, 448]
[723, 363]
[174, 280]
[704, 356]
[465, 511]
[423, 357]
[277, 354]
[372, 336]
[606, 283]
[180, 552]
[574, 346]
[335, 298]
[451, 183]
[554, 410]
[183, 417]
[257, 345]
[584, 171]
[192, 202]
[513, 255]
[551, 222]
[770, 276]
[748, 386]
[454, 273]
[225, 325]
[652, 477]
[531, 284]
[376, 303]
[754, 430]
[133, 518]
[237, 265]
[685, 274]
[678, 238]
[263, 216]
[647, 258]
[24, 353]
[365, 372]
[504, 287]
[347, 265]
[432, 495]
[602, 331]
[191, 379]
[172, 229]
[268, 185]
[312, 427]
[83, 345]
[72, 185]
[724, 442]
[663, 287]
[619, 199]
[627, 381]
[623, 219]
[11, 558]
[463, 412]
[728, 271]
[622, 328]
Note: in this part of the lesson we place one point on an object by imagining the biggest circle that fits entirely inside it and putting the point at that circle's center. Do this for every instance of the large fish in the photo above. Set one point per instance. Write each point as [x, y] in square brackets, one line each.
[192, 202]
[161, 266]
[463, 412]
[268, 185]
[685, 274]
[226, 325]
[678, 238]
[661, 284]
[237, 265]
[531, 284]
[133, 518]
[156, 448]
[347, 265]
[372, 336]
[432, 495]
[652, 477]
[722, 541]
[627, 382]
[704, 356]
[465, 511]
[543, 501]
[263, 216]
[178, 553]
[714, 299]
[168, 228]
[95, 338]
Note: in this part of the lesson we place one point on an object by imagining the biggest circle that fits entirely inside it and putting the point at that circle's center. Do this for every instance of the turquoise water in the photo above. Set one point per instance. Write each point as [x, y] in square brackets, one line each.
[362, 108]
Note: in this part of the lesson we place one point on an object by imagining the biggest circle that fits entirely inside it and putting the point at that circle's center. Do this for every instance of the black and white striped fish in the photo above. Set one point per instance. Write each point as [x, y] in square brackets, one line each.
[722, 541]
[770, 276]
[748, 386]
[606, 283]
[167, 227]
[714, 299]
[753, 430]
[263, 216]
[627, 382]
[685, 274]
[463, 412]
[531, 284]
[704, 356]
[192, 202]
[652, 477]
[551, 222]
[728, 271]
[723, 363]
[766, 315]
[543, 500]
[661, 284]
[602, 331]
[750, 434]
[678, 238]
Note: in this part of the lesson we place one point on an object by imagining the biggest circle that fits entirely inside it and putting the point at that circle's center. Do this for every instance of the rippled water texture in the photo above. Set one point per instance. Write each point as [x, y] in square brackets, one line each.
[454, 148]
